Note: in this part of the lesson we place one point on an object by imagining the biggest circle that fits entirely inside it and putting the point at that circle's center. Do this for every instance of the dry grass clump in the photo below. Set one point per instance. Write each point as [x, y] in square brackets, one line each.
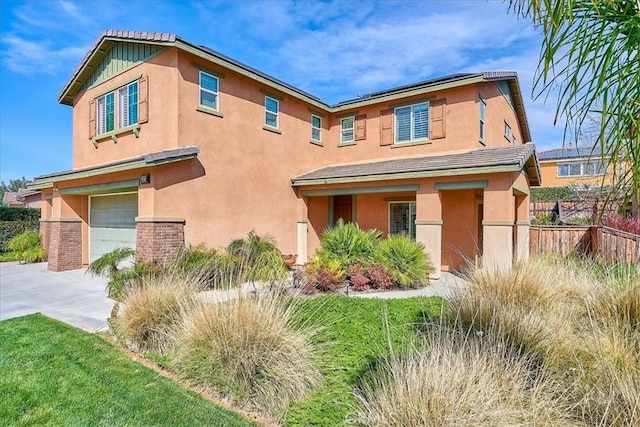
[459, 382]
[248, 348]
[152, 311]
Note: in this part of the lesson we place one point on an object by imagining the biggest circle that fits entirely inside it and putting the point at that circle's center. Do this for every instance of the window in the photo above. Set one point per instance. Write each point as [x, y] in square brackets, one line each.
[128, 105]
[507, 131]
[412, 122]
[483, 108]
[402, 218]
[105, 113]
[347, 129]
[513, 140]
[316, 128]
[271, 107]
[208, 91]
[580, 169]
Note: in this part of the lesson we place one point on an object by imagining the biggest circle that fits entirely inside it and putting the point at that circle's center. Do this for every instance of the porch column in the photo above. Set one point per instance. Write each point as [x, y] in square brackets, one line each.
[302, 231]
[522, 227]
[498, 223]
[429, 226]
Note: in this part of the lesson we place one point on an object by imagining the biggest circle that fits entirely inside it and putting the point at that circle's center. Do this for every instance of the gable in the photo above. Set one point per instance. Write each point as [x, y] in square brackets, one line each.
[503, 85]
[117, 58]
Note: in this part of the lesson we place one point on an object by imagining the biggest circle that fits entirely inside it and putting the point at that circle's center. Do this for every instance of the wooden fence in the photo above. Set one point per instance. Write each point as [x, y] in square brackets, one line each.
[603, 242]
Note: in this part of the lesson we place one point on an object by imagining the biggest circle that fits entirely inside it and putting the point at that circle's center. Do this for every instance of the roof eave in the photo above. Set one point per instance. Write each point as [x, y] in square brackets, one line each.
[513, 167]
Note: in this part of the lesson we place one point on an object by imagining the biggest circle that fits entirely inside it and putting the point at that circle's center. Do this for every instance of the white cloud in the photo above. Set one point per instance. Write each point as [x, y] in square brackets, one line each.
[33, 57]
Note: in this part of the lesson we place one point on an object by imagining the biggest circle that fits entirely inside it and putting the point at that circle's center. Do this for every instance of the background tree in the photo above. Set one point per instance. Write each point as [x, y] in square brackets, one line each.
[13, 185]
[589, 55]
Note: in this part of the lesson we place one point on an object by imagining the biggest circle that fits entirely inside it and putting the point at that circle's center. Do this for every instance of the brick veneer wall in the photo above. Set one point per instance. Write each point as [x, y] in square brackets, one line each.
[158, 241]
[45, 233]
[65, 244]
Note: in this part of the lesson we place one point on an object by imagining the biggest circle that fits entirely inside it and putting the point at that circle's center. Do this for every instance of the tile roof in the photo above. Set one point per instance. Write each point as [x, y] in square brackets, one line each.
[569, 153]
[10, 197]
[512, 158]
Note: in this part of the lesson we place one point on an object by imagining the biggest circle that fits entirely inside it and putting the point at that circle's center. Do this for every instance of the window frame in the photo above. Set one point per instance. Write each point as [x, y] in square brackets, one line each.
[102, 124]
[507, 131]
[412, 211]
[216, 93]
[598, 169]
[316, 128]
[275, 113]
[352, 129]
[412, 124]
[120, 124]
[483, 114]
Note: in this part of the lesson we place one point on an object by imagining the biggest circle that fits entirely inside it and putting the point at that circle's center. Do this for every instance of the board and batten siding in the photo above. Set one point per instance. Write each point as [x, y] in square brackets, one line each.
[119, 58]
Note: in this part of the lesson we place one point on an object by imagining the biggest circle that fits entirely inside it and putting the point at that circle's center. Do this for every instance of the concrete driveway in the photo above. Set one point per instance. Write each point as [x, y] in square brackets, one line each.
[70, 296]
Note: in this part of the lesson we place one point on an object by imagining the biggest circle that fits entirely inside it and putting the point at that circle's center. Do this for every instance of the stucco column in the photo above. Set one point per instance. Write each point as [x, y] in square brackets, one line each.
[302, 230]
[522, 240]
[498, 223]
[429, 225]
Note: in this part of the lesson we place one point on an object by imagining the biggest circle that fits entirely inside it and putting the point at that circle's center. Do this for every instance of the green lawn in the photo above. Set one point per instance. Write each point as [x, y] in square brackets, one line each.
[356, 333]
[53, 374]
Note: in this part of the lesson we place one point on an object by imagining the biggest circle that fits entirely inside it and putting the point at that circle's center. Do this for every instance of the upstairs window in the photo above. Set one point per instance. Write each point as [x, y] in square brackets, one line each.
[208, 91]
[316, 128]
[271, 107]
[483, 110]
[347, 129]
[580, 169]
[105, 113]
[128, 105]
[507, 131]
[412, 123]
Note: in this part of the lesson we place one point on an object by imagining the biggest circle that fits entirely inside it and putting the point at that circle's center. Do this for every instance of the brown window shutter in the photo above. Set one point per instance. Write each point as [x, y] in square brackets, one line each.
[92, 118]
[386, 127]
[143, 99]
[361, 127]
[437, 111]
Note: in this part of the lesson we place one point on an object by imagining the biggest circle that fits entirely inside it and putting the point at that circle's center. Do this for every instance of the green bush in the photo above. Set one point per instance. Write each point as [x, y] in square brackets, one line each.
[348, 243]
[552, 194]
[107, 266]
[405, 260]
[259, 258]
[545, 219]
[28, 247]
[10, 229]
[19, 214]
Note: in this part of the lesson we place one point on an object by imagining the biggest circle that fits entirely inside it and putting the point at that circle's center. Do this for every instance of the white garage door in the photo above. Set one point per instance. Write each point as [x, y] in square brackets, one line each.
[112, 223]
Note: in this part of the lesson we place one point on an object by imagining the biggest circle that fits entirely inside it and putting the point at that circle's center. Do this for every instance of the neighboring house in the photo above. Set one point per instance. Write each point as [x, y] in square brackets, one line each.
[574, 166]
[23, 199]
[174, 143]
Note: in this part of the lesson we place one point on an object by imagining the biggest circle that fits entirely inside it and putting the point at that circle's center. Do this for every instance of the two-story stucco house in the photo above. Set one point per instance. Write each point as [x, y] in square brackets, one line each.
[174, 143]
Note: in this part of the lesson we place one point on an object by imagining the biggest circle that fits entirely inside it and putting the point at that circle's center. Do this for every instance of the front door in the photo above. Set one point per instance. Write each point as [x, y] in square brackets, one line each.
[343, 208]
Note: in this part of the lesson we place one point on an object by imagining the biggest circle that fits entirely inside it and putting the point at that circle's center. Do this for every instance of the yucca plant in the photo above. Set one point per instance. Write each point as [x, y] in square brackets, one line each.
[348, 243]
[405, 260]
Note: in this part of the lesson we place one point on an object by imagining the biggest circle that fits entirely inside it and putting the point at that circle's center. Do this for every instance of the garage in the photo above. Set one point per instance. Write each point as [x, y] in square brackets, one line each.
[112, 223]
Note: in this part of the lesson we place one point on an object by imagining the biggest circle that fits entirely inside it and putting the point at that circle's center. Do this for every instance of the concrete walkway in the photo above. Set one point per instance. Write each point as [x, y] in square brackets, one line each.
[72, 296]
[80, 300]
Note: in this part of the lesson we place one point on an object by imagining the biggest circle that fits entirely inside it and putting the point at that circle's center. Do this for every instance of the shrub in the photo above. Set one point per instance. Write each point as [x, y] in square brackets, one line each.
[405, 260]
[27, 247]
[380, 277]
[108, 265]
[259, 258]
[215, 269]
[630, 225]
[8, 213]
[248, 348]
[552, 194]
[348, 243]
[358, 278]
[153, 311]
[320, 277]
[10, 229]
[457, 382]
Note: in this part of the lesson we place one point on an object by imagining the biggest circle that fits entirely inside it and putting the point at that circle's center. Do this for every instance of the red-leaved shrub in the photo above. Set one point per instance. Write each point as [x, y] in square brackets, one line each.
[380, 277]
[630, 225]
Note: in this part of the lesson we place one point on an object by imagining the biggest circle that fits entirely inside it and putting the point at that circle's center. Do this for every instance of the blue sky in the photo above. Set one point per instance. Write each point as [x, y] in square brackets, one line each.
[334, 50]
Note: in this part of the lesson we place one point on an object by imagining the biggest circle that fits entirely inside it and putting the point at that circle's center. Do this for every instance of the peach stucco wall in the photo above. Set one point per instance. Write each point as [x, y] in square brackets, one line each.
[241, 179]
[459, 228]
[550, 178]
